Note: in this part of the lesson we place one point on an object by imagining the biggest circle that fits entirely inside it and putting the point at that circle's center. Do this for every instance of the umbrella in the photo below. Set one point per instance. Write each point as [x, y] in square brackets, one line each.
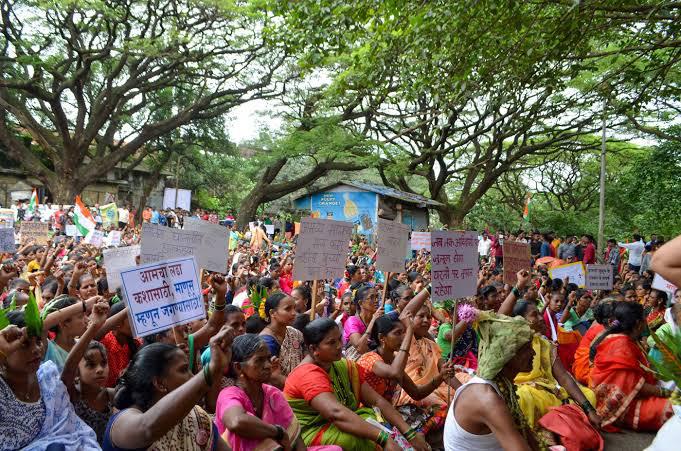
[556, 263]
[545, 260]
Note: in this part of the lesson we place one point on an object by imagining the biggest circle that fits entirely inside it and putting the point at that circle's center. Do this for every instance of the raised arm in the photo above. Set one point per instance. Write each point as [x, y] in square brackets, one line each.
[55, 318]
[217, 318]
[395, 370]
[667, 261]
[508, 304]
[135, 429]
[70, 371]
[417, 301]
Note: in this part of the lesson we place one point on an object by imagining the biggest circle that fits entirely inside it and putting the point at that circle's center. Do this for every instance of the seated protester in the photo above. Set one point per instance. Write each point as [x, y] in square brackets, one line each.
[666, 332]
[85, 373]
[423, 365]
[567, 341]
[581, 368]
[385, 366]
[484, 412]
[67, 330]
[627, 395]
[348, 309]
[302, 295]
[283, 340]
[643, 288]
[490, 298]
[654, 308]
[465, 343]
[35, 412]
[548, 384]
[157, 396]
[400, 296]
[629, 293]
[577, 314]
[252, 414]
[357, 328]
[325, 393]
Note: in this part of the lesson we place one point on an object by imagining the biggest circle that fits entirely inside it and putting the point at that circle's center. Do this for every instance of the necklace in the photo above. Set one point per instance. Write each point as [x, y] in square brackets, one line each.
[276, 337]
[25, 396]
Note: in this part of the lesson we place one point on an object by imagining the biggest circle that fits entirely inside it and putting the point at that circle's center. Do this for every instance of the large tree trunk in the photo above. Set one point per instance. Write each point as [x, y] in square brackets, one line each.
[451, 217]
[249, 207]
[63, 189]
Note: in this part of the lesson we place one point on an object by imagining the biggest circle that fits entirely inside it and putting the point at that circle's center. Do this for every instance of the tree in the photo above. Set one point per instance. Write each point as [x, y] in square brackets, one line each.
[84, 79]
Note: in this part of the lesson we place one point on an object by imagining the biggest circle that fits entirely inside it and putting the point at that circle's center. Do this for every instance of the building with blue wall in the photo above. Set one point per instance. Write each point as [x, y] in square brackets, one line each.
[363, 203]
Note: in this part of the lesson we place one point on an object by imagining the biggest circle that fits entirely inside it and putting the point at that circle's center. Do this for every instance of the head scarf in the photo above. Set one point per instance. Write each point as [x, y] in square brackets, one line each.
[500, 339]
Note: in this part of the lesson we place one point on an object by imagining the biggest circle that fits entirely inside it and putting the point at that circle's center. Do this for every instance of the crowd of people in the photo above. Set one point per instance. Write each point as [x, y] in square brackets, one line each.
[367, 362]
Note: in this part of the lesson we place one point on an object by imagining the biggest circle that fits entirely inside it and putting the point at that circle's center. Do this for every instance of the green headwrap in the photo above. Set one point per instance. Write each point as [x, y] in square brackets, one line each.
[500, 338]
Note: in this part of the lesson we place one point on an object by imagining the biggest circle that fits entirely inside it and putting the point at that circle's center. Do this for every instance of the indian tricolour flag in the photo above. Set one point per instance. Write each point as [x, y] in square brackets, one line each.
[526, 211]
[33, 204]
[82, 218]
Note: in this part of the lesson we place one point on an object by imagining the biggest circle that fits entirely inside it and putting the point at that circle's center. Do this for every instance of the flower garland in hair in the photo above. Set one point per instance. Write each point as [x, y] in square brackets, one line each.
[258, 298]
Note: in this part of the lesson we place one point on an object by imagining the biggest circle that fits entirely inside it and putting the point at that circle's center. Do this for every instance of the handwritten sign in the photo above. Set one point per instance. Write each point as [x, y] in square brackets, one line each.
[72, 230]
[575, 271]
[6, 215]
[599, 277]
[454, 257]
[322, 249]
[7, 240]
[420, 240]
[516, 257]
[114, 238]
[214, 246]
[95, 238]
[160, 243]
[392, 242]
[117, 260]
[269, 229]
[162, 295]
[36, 231]
[660, 283]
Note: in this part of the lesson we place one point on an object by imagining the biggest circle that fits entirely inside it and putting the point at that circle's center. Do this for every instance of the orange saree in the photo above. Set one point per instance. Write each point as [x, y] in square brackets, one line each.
[617, 378]
[581, 367]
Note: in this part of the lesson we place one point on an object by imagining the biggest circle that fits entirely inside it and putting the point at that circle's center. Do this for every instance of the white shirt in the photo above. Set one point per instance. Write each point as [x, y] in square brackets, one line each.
[635, 251]
[123, 215]
[457, 438]
[484, 245]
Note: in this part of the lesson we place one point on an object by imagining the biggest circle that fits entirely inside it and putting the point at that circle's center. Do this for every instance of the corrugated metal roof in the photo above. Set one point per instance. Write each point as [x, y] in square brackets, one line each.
[381, 190]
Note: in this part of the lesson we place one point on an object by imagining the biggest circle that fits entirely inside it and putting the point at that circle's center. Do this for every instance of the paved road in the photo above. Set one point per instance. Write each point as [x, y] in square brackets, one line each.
[627, 441]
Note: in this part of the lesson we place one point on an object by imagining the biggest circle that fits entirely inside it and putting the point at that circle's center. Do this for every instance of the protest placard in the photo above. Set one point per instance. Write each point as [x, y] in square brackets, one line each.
[391, 244]
[117, 260]
[599, 277]
[162, 295]
[322, 249]
[575, 271]
[516, 257]
[214, 244]
[95, 238]
[660, 283]
[72, 230]
[114, 238]
[6, 215]
[6, 224]
[159, 243]
[454, 270]
[36, 231]
[420, 240]
[269, 229]
[7, 240]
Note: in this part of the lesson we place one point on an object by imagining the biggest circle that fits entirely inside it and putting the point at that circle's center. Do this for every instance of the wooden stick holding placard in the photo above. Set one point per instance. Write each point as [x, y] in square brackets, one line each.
[453, 341]
[385, 289]
[314, 300]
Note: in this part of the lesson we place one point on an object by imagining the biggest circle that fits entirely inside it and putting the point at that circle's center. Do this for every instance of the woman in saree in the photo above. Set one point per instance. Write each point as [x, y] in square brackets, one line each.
[548, 384]
[252, 415]
[385, 365]
[567, 341]
[325, 392]
[581, 367]
[35, 409]
[283, 340]
[627, 395]
[156, 399]
[425, 364]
